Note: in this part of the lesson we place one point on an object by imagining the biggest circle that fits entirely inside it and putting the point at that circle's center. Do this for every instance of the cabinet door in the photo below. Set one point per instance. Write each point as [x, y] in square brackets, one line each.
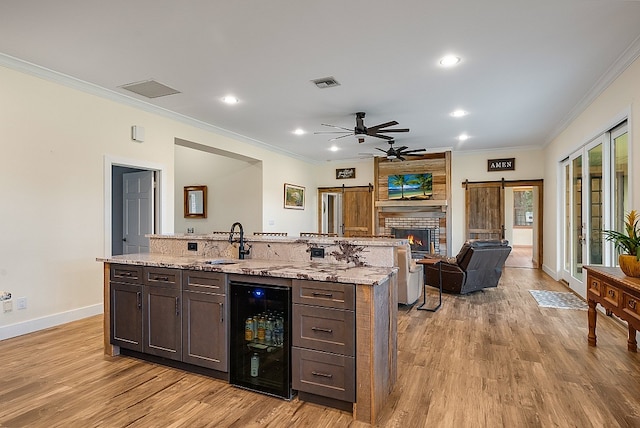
[162, 321]
[204, 320]
[126, 315]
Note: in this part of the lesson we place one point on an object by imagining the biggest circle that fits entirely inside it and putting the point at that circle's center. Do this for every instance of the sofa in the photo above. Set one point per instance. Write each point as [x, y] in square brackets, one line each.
[478, 265]
[409, 276]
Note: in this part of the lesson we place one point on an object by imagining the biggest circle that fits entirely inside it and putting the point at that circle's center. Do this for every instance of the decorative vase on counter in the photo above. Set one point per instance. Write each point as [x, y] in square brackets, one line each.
[630, 265]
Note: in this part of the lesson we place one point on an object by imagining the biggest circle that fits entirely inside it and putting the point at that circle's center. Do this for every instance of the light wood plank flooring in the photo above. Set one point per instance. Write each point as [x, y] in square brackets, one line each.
[490, 359]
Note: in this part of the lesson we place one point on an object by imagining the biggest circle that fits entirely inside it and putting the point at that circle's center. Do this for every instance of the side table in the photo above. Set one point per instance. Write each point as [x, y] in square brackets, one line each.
[424, 284]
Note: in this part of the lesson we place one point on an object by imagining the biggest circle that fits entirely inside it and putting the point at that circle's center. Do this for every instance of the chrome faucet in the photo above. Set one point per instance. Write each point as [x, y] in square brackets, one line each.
[241, 250]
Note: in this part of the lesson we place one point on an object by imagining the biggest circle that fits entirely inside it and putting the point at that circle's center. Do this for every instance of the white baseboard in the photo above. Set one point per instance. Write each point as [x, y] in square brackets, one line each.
[552, 273]
[37, 324]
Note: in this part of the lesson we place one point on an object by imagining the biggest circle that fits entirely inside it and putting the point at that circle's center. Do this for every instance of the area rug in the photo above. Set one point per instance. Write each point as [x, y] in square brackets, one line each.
[558, 299]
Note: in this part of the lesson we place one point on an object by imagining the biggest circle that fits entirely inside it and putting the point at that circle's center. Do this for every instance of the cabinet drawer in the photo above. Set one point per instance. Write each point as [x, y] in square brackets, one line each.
[205, 282]
[324, 374]
[126, 273]
[595, 286]
[324, 329]
[631, 305]
[611, 294]
[327, 294]
[167, 277]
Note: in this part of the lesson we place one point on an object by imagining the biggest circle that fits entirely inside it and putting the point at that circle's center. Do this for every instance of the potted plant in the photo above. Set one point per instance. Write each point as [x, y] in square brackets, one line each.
[628, 244]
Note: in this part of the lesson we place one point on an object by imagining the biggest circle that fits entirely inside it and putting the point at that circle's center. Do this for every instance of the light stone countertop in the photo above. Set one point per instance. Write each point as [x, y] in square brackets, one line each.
[365, 275]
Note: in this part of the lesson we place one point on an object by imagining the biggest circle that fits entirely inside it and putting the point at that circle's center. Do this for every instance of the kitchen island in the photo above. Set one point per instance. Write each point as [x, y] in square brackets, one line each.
[375, 310]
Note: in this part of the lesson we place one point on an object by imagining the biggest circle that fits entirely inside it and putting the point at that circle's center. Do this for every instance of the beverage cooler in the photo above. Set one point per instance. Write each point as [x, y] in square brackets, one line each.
[260, 354]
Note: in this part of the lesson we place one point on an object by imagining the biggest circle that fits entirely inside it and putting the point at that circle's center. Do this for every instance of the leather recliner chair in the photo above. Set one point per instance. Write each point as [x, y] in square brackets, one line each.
[478, 265]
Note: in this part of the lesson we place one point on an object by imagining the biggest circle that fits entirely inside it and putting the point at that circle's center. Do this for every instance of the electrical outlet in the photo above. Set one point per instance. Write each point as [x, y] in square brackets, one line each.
[317, 252]
[192, 246]
[7, 305]
[21, 303]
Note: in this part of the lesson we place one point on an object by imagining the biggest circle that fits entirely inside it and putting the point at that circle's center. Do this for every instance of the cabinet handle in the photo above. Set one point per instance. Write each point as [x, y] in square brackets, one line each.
[324, 330]
[124, 273]
[316, 294]
[322, 374]
[161, 278]
[612, 293]
[177, 306]
[221, 312]
[139, 299]
[632, 304]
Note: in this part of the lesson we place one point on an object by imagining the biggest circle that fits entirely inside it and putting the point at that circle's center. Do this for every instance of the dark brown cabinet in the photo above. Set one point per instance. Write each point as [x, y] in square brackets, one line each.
[162, 312]
[323, 329]
[126, 307]
[204, 320]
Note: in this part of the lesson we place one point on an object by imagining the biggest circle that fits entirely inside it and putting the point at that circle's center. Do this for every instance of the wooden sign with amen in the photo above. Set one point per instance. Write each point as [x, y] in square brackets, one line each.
[508, 164]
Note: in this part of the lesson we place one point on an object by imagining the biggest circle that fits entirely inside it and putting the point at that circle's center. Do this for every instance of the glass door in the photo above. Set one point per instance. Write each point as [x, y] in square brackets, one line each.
[596, 197]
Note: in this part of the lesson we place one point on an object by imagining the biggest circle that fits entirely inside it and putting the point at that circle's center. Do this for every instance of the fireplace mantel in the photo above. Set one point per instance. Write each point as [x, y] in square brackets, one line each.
[400, 203]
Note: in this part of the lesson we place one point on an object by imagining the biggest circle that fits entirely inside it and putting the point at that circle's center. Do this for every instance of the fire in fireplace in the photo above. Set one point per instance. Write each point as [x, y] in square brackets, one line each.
[419, 239]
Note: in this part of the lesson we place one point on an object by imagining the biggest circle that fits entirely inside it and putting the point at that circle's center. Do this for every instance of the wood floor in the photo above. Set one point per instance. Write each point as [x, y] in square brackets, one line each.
[490, 359]
[521, 256]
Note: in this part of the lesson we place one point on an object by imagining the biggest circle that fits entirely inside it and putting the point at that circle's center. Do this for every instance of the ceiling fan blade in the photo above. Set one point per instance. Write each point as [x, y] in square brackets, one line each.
[337, 127]
[415, 151]
[401, 148]
[342, 136]
[384, 137]
[330, 132]
[383, 151]
[400, 157]
[383, 125]
[394, 130]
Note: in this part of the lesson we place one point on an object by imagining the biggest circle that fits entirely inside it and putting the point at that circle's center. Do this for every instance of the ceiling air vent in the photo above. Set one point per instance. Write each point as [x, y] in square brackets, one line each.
[150, 89]
[326, 82]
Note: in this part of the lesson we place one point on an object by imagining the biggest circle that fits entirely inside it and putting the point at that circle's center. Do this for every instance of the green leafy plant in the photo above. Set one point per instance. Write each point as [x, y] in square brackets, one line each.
[629, 242]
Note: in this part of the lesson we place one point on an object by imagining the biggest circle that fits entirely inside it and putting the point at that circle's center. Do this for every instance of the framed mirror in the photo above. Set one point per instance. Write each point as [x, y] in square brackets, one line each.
[195, 201]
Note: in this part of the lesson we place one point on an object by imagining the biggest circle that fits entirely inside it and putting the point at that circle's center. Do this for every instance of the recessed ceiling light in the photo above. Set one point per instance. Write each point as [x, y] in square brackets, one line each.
[334, 148]
[458, 113]
[449, 61]
[299, 131]
[230, 99]
[463, 137]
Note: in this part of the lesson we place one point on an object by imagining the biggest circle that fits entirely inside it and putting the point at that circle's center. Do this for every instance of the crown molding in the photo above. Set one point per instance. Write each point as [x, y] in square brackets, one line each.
[630, 54]
[90, 88]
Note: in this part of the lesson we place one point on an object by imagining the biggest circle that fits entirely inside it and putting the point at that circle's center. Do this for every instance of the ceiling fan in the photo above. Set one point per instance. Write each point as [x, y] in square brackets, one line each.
[377, 131]
[399, 153]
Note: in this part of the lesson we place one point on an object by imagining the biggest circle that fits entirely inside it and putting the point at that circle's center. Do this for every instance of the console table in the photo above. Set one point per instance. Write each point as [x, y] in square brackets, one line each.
[616, 293]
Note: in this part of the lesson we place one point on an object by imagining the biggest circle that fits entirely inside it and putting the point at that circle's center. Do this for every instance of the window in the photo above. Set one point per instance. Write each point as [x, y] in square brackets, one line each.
[523, 207]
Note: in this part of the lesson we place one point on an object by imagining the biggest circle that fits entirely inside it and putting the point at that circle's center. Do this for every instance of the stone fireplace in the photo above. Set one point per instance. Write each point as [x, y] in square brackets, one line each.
[428, 217]
[425, 230]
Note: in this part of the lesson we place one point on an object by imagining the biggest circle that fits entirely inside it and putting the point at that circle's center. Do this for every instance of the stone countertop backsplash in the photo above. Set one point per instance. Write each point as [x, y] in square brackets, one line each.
[311, 270]
[351, 252]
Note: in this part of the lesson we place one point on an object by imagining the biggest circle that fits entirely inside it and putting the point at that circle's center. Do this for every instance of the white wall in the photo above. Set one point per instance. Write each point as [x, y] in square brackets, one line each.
[54, 142]
[619, 100]
[472, 166]
[234, 190]
[326, 173]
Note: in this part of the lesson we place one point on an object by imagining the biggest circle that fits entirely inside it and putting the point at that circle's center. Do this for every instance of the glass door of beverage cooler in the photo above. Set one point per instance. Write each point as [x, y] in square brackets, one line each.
[260, 347]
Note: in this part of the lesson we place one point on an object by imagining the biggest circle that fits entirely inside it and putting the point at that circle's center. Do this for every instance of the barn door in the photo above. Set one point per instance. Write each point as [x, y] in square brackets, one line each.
[347, 211]
[484, 210]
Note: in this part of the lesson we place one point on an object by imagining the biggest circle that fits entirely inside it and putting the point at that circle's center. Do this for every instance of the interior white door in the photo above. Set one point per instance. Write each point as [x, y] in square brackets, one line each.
[137, 211]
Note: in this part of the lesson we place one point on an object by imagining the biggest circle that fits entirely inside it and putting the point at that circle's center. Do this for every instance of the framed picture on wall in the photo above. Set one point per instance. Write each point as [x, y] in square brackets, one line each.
[342, 173]
[293, 196]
